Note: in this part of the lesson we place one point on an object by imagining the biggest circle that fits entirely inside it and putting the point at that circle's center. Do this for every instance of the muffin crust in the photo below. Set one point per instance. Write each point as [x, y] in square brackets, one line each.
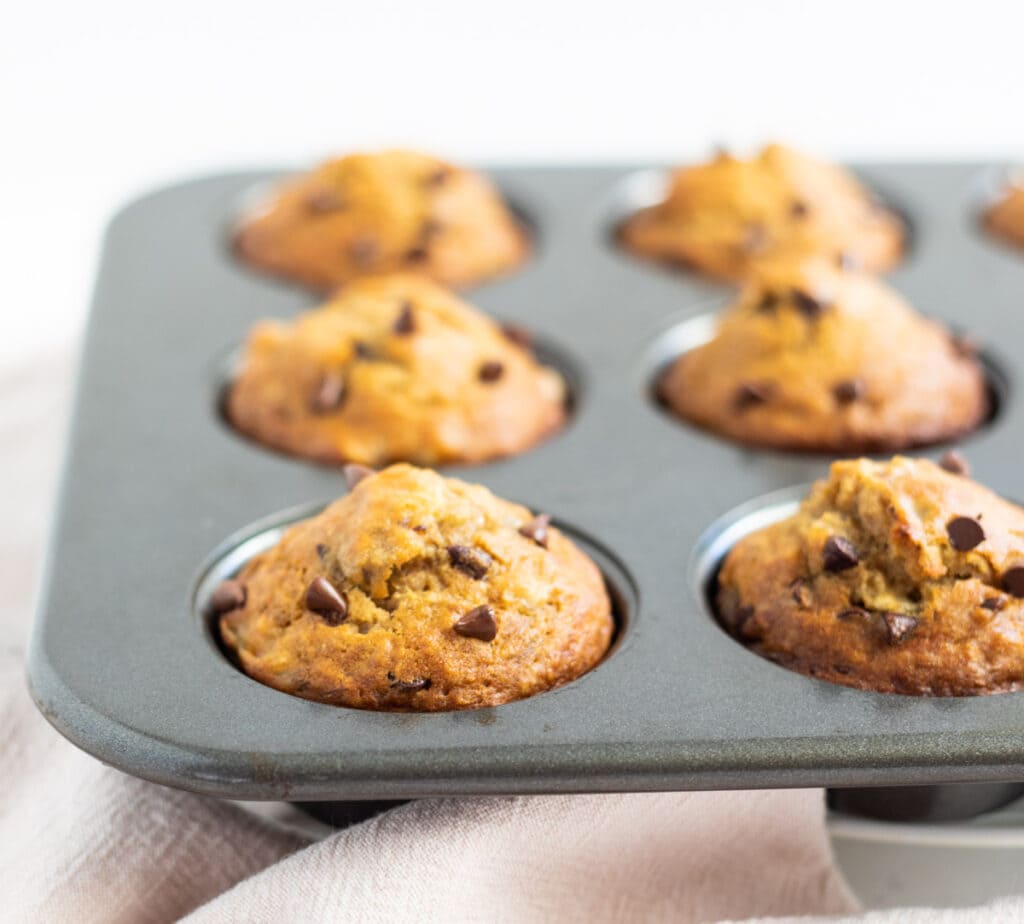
[893, 576]
[417, 592]
[814, 358]
[722, 217]
[1005, 217]
[383, 212]
[394, 368]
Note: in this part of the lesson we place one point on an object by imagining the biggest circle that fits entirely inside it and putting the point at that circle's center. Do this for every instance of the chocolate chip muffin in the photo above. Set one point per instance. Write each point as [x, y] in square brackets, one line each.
[721, 217]
[894, 576]
[394, 368]
[420, 593]
[383, 212]
[814, 358]
[1005, 217]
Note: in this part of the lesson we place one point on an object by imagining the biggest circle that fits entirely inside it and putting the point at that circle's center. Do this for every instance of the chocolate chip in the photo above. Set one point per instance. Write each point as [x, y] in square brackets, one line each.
[416, 254]
[806, 304]
[406, 322]
[321, 550]
[898, 626]
[954, 463]
[438, 177]
[755, 237]
[363, 350]
[363, 251]
[478, 623]
[325, 200]
[430, 228]
[848, 391]
[1013, 580]
[409, 686]
[520, 336]
[798, 209]
[839, 554]
[993, 603]
[768, 303]
[324, 599]
[964, 533]
[354, 473]
[750, 394]
[329, 394]
[227, 596]
[537, 529]
[490, 371]
[469, 560]
[801, 592]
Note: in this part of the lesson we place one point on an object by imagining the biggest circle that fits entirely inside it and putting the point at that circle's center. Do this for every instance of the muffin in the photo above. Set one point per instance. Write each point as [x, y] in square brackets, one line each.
[420, 593]
[383, 212]
[721, 217]
[394, 368]
[1005, 217]
[894, 576]
[811, 357]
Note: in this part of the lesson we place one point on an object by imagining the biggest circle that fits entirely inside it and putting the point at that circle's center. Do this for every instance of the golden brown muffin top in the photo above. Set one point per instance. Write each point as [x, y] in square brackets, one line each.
[810, 357]
[382, 212]
[1005, 217]
[896, 576]
[722, 216]
[418, 592]
[394, 368]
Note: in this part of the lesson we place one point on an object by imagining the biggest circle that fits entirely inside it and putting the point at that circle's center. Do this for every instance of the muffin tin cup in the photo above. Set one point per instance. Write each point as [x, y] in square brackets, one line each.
[159, 493]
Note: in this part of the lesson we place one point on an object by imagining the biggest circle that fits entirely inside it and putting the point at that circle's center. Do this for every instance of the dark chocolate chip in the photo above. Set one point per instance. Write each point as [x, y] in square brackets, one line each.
[409, 686]
[839, 554]
[750, 394]
[416, 254]
[768, 303]
[799, 209]
[954, 463]
[537, 529]
[964, 346]
[520, 336]
[898, 626]
[848, 391]
[490, 371]
[363, 350]
[324, 201]
[964, 533]
[321, 550]
[354, 473]
[329, 394]
[227, 596]
[406, 322]
[993, 603]
[469, 560]
[363, 251]
[801, 592]
[478, 623]
[1013, 580]
[324, 599]
[807, 305]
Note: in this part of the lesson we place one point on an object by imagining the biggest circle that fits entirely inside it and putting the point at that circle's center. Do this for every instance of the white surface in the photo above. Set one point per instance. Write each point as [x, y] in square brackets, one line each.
[101, 100]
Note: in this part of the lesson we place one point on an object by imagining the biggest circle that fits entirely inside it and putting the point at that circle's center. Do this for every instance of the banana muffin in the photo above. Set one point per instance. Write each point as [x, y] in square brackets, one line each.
[895, 576]
[720, 217]
[394, 368]
[811, 357]
[1005, 217]
[417, 593]
[383, 212]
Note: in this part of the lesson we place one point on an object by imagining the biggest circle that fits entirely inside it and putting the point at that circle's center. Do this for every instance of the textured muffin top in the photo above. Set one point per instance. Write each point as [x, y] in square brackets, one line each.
[394, 368]
[1005, 217]
[811, 357]
[894, 576]
[417, 592]
[374, 213]
[722, 216]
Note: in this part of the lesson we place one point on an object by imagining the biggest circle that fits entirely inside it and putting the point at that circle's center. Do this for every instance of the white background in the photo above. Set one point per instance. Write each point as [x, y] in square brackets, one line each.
[102, 99]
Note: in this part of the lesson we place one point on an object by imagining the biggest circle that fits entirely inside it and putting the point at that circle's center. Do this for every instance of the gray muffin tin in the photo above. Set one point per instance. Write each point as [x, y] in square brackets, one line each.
[160, 500]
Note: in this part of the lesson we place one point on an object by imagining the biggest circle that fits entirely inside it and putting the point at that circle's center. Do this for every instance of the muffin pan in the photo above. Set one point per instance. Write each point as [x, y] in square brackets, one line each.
[160, 498]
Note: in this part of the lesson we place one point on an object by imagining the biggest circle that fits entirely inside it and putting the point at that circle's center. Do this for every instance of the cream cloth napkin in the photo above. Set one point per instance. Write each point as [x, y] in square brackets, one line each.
[81, 842]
